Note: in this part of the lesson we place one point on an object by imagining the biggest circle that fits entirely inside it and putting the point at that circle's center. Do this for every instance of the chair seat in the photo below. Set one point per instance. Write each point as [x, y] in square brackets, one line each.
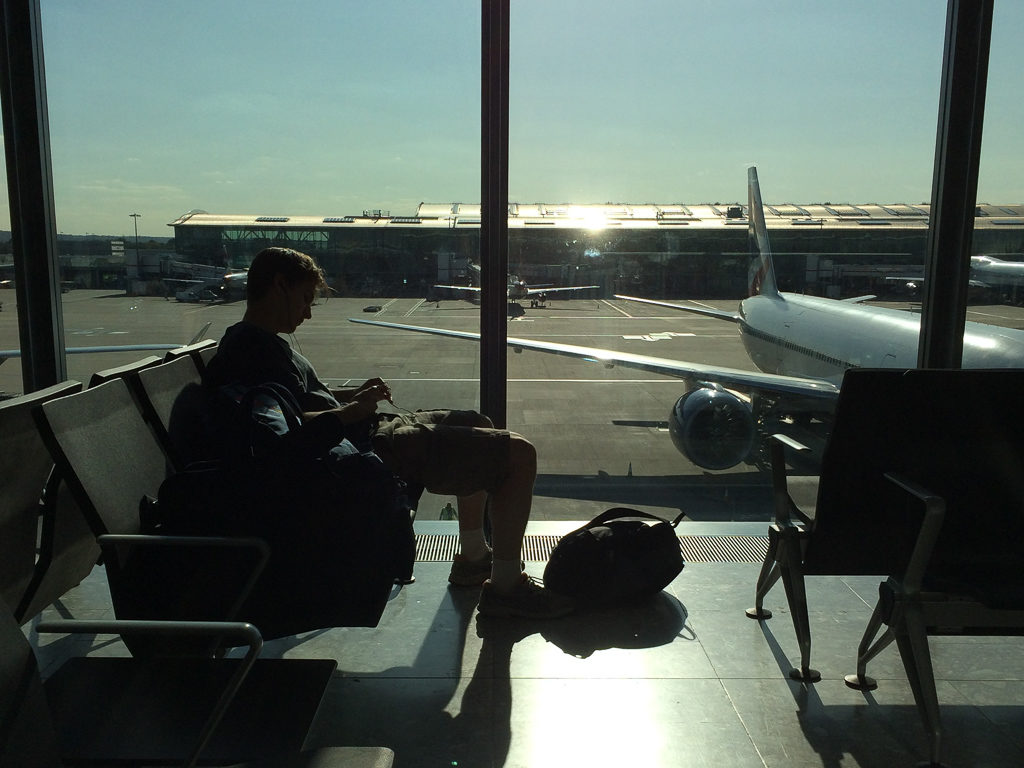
[332, 757]
[992, 587]
[123, 708]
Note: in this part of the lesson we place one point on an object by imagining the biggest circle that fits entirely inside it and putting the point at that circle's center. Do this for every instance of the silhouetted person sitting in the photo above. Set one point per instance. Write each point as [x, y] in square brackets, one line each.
[452, 452]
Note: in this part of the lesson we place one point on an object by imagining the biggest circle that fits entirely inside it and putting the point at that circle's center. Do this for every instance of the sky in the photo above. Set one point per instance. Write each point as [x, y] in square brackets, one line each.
[330, 107]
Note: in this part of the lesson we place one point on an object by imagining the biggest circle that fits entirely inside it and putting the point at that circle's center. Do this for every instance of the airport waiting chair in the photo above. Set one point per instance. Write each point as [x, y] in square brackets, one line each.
[205, 355]
[920, 482]
[199, 351]
[171, 397]
[111, 461]
[68, 550]
[132, 712]
[122, 371]
[109, 456]
[41, 555]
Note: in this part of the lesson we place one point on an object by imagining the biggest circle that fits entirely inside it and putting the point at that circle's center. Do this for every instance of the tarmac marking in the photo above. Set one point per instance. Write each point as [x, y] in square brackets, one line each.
[656, 336]
[341, 381]
[989, 314]
[659, 336]
[620, 310]
[643, 318]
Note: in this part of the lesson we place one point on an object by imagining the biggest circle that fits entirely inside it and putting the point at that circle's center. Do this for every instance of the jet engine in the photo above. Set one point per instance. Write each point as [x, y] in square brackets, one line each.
[712, 427]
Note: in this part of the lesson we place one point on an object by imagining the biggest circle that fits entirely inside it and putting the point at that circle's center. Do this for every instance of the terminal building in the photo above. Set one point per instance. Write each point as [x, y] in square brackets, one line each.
[660, 251]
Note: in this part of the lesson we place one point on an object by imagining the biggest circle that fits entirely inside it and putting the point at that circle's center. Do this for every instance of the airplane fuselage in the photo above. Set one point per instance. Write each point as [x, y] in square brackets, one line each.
[517, 290]
[795, 335]
[996, 272]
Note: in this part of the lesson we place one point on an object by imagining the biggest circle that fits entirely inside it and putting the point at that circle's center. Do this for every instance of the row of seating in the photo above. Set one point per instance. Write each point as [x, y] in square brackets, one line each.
[73, 465]
[921, 483]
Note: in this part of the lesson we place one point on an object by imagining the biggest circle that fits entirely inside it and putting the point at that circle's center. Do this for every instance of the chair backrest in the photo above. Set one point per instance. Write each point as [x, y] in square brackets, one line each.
[959, 433]
[199, 351]
[106, 452]
[25, 465]
[205, 355]
[167, 394]
[122, 371]
[68, 550]
[27, 735]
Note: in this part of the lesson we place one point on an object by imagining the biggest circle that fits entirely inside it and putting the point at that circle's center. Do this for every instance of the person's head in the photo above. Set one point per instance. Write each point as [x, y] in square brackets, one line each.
[281, 286]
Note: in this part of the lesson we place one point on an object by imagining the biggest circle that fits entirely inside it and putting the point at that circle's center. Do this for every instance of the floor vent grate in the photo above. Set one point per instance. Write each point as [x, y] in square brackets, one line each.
[537, 548]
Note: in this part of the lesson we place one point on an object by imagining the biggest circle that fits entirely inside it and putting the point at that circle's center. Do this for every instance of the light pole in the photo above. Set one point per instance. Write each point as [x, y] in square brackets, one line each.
[138, 272]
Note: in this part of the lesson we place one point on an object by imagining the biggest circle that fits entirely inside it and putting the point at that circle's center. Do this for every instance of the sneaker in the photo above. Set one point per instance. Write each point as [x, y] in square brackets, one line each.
[470, 573]
[528, 600]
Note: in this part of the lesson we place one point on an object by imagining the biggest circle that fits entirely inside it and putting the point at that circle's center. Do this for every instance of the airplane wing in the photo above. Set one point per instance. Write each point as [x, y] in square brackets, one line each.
[533, 290]
[460, 287]
[748, 381]
[6, 353]
[732, 317]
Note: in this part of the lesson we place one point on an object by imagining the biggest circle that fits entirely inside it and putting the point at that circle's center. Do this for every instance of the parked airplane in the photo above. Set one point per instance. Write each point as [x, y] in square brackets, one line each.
[229, 287]
[519, 289]
[802, 346]
[988, 273]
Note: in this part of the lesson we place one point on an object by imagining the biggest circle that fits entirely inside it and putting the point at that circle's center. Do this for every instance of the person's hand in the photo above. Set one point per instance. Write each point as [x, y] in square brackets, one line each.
[375, 389]
[356, 410]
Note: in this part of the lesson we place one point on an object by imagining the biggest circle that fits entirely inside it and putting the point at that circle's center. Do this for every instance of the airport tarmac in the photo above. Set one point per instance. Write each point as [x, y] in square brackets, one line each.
[601, 433]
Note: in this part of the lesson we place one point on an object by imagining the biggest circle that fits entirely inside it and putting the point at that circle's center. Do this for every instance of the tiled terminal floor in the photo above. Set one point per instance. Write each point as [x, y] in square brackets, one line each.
[686, 680]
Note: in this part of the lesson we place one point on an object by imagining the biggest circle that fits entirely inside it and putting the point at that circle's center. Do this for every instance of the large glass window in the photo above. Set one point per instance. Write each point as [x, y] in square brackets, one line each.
[10, 368]
[327, 127]
[186, 136]
[1001, 180]
[649, 121]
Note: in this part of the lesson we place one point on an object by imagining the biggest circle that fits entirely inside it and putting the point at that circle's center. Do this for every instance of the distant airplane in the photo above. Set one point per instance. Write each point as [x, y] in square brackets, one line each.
[519, 289]
[802, 345]
[987, 273]
[229, 287]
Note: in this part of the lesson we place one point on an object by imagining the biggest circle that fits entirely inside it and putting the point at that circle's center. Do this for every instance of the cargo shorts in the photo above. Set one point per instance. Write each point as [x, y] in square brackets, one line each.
[447, 452]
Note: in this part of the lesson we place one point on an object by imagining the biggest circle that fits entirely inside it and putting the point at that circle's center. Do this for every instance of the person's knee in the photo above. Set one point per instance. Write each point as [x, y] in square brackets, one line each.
[522, 454]
[481, 421]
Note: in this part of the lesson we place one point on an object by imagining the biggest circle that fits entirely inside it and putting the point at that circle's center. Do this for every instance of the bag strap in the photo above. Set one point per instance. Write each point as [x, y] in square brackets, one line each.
[616, 513]
[285, 399]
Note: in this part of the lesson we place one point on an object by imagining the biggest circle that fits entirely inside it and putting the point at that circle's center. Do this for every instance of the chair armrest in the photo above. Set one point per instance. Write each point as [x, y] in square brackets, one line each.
[242, 632]
[109, 543]
[785, 509]
[145, 539]
[927, 535]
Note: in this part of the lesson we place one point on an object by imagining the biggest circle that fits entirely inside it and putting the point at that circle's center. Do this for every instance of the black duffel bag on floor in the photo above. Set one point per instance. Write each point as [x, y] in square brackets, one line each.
[621, 555]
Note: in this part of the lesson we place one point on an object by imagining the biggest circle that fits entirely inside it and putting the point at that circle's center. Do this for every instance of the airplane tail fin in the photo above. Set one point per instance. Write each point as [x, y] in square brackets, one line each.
[762, 272]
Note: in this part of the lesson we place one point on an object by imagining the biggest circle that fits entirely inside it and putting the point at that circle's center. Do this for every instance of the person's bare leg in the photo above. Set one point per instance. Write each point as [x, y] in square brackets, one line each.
[512, 500]
[471, 510]
[509, 592]
[472, 543]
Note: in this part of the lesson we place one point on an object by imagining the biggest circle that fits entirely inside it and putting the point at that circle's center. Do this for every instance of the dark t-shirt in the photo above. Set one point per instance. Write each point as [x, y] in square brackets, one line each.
[251, 355]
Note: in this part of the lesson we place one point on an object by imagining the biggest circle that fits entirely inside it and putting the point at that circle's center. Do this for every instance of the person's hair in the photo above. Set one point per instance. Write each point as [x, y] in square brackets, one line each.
[295, 266]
